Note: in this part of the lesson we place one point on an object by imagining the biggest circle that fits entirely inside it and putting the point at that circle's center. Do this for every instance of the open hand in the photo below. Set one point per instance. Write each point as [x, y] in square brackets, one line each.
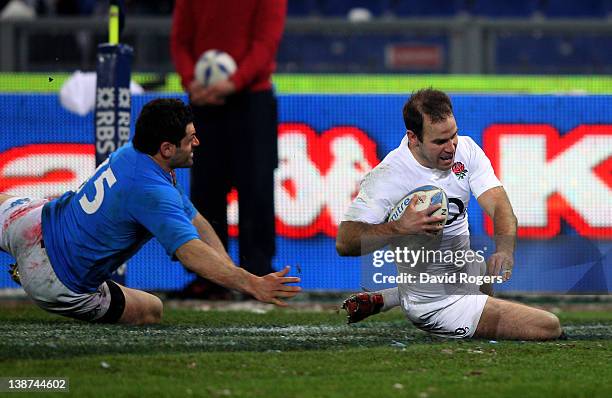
[273, 287]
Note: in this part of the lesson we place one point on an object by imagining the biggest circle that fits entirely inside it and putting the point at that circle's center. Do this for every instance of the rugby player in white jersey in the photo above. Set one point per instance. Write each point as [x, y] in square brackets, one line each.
[433, 153]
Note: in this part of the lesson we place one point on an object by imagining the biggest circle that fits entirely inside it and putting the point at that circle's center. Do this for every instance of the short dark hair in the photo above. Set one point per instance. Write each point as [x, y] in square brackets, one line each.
[433, 103]
[161, 120]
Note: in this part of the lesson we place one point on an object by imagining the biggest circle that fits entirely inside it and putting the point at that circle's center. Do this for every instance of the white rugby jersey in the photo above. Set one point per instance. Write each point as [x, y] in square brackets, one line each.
[399, 173]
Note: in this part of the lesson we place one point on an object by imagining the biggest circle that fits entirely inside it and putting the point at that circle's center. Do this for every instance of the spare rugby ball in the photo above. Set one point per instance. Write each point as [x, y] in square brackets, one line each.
[214, 66]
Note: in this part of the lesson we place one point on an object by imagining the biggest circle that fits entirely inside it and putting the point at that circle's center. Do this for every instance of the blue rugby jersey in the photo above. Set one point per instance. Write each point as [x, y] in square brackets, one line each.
[88, 234]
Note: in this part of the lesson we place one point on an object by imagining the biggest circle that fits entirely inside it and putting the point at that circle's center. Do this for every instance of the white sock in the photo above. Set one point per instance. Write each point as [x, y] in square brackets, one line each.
[391, 298]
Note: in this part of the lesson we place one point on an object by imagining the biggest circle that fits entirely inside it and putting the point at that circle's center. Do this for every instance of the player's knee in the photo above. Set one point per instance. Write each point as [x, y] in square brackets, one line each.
[154, 311]
[551, 327]
[144, 309]
[555, 326]
[158, 310]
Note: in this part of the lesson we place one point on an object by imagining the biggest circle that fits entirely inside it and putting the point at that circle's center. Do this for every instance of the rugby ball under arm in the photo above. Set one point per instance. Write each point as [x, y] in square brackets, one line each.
[427, 195]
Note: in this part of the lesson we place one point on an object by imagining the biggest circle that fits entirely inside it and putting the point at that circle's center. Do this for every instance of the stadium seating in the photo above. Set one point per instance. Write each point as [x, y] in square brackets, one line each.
[574, 9]
[345, 54]
[435, 8]
[446, 8]
[302, 8]
[556, 54]
[341, 8]
[504, 9]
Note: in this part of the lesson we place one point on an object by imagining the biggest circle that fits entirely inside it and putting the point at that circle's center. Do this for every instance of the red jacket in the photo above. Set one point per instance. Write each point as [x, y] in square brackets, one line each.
[249, 30]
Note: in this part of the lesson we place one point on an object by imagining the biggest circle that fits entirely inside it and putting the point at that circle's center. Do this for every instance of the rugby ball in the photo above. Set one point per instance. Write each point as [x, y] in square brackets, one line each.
[427, 195]
[214, 66]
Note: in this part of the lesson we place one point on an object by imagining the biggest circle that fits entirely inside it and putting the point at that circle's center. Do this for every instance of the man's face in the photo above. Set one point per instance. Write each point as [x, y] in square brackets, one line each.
[437, 150]
[183, 157]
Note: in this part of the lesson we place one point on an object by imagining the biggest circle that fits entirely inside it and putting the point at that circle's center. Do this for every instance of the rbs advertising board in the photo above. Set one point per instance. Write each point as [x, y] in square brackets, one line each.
[552, 153]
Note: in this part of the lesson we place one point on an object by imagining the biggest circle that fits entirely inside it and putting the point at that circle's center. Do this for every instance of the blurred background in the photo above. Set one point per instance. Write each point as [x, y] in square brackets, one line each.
[343, 36]
[530, 81]
[340, 36]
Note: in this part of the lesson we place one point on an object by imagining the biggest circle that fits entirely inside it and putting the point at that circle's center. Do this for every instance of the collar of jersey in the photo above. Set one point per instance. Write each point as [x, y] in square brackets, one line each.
[158, 168]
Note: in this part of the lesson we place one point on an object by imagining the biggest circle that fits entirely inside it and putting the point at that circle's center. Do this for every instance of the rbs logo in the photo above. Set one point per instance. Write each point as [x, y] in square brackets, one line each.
[550, 177]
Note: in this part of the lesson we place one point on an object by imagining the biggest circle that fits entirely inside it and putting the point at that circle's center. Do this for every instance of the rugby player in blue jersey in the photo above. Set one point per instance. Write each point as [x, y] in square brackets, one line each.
[67, 248]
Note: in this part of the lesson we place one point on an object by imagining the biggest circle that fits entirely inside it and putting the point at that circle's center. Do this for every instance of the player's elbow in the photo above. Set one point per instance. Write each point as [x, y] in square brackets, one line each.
[342, 248]
[346, 248]
[345, 245]
[188, 253]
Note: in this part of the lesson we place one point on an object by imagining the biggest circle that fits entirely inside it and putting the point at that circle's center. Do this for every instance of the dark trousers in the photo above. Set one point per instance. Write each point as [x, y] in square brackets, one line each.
[238, 148]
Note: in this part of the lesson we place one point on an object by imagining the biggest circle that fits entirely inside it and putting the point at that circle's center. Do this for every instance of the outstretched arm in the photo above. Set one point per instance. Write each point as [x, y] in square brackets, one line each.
[496, 205]
[204, 260]
[170, 218]
[208, 235]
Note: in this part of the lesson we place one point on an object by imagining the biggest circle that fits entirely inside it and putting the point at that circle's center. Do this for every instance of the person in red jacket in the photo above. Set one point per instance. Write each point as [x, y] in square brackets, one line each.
[236, 118]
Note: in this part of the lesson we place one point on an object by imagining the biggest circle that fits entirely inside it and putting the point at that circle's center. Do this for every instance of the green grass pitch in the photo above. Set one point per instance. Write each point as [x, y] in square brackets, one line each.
[292, 353]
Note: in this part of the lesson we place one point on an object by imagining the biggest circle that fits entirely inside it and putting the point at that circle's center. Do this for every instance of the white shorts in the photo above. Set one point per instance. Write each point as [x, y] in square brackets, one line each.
[21, 236]
[455, 316]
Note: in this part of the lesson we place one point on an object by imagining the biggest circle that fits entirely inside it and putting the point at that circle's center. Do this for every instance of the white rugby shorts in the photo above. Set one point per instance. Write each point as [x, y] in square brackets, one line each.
[455, 316]
[21, 236]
